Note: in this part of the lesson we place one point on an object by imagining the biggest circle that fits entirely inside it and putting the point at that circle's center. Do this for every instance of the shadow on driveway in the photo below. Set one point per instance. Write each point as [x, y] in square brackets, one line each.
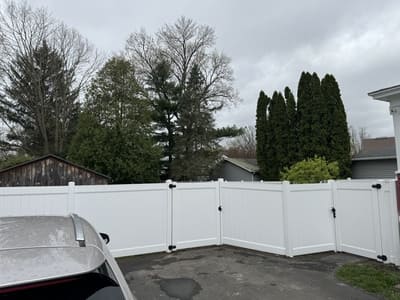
[227, 272]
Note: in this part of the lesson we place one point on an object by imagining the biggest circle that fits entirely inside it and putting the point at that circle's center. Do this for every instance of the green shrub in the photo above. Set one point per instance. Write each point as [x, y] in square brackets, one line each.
[311, 170]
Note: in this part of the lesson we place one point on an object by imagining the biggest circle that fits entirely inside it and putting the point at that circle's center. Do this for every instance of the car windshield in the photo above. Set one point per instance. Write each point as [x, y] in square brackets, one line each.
[92, 286]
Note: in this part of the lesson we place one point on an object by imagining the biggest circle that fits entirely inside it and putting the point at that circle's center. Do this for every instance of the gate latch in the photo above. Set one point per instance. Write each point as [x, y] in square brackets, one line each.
[171, 186]
[382, 257]
[171, 247]
[377, 186]
[333, 212]
[220, 208]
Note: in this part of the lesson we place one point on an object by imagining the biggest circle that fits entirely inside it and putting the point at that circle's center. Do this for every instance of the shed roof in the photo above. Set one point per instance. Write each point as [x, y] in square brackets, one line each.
[248, 164]
[56, 158]
[377, 148]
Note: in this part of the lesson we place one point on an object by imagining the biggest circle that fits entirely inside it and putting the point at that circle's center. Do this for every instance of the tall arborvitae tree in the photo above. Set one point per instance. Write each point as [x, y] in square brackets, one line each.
[338, 138]
[319, 127]
[277, 152]
[292, 129]
[312, 117]
[305, 116]
[261, 132]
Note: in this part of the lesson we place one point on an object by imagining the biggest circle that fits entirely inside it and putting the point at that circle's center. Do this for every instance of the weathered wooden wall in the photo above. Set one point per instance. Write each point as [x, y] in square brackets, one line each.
[49, 172]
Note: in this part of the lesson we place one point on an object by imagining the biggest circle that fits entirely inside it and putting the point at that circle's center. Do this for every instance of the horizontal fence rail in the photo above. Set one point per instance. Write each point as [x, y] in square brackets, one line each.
[358, 217]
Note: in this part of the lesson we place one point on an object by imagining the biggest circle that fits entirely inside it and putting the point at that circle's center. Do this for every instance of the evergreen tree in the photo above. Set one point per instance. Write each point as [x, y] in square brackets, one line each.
[277, 151]
[305, 116]
[320, 126]
[114, 134]
[292, 129]
[312, 118]
[261, 133]
[197, 147]
[39, 103]
[164, 94]
[338, 138]
[184, 46]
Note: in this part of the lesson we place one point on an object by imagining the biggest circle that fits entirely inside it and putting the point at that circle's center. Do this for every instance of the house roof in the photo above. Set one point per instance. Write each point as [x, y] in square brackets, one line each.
[377, 148]
[386, 94]
[248, 164]
[56, 158]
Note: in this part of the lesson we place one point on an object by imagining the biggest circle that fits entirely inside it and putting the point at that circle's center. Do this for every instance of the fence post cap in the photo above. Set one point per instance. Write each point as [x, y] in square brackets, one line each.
[71, 183]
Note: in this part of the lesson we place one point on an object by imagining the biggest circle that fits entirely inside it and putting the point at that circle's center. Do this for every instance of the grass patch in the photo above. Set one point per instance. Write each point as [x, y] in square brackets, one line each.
[372, 277]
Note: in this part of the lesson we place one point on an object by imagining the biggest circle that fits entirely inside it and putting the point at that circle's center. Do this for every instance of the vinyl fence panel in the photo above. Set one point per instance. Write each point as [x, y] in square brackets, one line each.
[311, 226]
[135, 216]
[358, 222]
[28, 201]
[195, 215]
[252, 216]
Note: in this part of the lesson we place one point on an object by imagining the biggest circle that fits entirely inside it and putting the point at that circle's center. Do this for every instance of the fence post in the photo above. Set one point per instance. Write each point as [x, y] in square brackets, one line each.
[71, 197]
[220, 212]
[169, 216]
[286, 222]
[335, 227]
[394, 218]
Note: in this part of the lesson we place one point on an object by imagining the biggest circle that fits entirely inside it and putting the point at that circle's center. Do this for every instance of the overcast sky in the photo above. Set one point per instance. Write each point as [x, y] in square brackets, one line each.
[270, 44]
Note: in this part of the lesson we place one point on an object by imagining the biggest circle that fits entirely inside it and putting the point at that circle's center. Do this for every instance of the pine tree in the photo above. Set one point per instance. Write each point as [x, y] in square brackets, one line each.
[293, 147]
[40, 103]
[196, 145]
[338, 138]
[164, 94]
[277, 151]
[261, 132]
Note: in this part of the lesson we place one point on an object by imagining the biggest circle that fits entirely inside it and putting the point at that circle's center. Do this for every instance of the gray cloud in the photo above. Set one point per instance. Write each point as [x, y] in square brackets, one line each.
[270, 43]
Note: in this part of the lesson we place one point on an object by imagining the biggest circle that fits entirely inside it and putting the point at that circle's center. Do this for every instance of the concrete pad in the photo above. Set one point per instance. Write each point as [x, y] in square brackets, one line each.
[227, 272]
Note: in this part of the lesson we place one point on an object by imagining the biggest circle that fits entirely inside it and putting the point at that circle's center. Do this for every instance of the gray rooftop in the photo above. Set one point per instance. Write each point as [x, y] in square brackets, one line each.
[377, 148]
[248, 164]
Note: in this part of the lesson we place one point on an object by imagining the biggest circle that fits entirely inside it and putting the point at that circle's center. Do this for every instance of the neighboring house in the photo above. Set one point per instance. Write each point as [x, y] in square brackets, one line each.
[237, 169]
[377, 159]
[49, 170]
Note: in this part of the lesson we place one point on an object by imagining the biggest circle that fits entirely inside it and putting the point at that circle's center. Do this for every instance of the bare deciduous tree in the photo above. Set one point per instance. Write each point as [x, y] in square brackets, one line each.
[183, 45]
[243, 146]
[356, 138]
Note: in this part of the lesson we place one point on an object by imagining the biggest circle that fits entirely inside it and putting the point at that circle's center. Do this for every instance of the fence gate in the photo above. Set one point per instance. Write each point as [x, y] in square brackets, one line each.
[357, 208]
[195, 218]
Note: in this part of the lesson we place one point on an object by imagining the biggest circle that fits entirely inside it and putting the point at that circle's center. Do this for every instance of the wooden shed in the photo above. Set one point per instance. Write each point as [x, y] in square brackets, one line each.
[49, 170]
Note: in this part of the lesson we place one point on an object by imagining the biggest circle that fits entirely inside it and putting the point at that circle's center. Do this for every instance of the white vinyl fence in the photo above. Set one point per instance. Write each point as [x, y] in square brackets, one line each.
[289, 219]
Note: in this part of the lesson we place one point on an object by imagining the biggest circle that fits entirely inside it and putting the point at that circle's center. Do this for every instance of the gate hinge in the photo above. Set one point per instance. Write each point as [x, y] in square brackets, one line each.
[333, 212]
[220, 208]
[171, 186]
[171, 247]
[377, 186]
[382, 257]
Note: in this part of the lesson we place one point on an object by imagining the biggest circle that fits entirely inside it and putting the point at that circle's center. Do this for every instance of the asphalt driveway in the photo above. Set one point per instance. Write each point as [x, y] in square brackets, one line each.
[228, 272]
